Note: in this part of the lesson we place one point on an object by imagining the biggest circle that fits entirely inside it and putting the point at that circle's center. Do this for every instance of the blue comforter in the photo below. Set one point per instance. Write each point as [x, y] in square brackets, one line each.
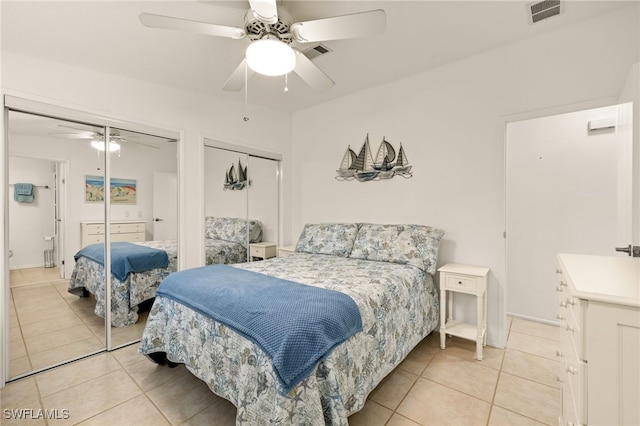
[126, 257]
[295, 324]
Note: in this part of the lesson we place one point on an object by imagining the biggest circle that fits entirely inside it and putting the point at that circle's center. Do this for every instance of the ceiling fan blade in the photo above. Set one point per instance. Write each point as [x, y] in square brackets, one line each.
[170, 23]
[311, 74]
[82, 135]
[265, 10]
[236, 80]
[360, 24]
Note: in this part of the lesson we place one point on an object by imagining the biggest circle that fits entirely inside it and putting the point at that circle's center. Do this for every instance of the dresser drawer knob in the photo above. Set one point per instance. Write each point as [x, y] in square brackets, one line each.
[558, 271]
[571, 302]
[563, 304]
[570, 328]
[560, 317]
[559, 354]
[572, 370]
[558, 379]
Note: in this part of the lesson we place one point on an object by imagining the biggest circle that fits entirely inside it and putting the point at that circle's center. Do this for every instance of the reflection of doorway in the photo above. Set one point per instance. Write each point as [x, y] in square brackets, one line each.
[568, 190]
[165, 206]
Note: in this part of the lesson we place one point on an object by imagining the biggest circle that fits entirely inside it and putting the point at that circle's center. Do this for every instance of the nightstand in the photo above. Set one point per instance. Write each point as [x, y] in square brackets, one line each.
[261, 251]
[455, 278]
[286, 251]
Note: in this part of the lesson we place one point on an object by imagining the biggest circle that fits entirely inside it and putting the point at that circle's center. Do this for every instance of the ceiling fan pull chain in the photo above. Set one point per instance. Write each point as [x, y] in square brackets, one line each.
[286, 82]
[246, 92]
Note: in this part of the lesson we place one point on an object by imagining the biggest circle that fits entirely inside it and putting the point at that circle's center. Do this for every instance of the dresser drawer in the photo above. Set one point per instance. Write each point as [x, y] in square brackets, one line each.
[461, 283]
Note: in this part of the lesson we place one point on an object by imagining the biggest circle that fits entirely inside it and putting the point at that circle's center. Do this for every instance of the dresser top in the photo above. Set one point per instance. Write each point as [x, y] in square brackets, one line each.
[603, 278]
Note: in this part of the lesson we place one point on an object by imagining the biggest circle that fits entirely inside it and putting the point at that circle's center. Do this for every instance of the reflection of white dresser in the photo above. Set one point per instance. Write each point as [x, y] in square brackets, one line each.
[93, 231]
[599, 339]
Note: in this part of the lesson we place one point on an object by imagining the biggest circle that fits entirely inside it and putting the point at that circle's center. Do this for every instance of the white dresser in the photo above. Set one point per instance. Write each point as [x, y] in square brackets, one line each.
[599, 354]
[93, 231]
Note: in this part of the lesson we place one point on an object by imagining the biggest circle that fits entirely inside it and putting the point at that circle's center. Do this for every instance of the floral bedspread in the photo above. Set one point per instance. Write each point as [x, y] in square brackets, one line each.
[399, 307]
[141, 286]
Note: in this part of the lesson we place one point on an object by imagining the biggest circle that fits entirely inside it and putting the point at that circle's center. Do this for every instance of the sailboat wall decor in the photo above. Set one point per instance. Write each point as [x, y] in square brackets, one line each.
[236, 179]
[364, 167]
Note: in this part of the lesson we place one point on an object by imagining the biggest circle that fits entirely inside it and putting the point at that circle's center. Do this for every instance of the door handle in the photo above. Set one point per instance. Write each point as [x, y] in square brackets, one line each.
[157, 219]
[631, 250]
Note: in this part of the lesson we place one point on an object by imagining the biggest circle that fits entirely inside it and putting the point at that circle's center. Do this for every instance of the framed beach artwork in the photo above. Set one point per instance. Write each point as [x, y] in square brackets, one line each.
[122, 191]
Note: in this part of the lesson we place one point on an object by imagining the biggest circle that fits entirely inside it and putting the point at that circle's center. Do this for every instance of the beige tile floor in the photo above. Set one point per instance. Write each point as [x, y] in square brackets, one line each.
[512, 386]
[48, 325]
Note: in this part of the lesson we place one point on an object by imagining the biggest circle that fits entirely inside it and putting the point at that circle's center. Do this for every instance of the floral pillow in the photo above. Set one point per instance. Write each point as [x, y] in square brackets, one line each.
[327, 238]
[415, 245]
[233, 229]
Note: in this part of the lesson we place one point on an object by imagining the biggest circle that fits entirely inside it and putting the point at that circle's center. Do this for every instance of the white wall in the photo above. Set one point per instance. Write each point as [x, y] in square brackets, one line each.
[190, 113]
[31, 222]
[451, 123]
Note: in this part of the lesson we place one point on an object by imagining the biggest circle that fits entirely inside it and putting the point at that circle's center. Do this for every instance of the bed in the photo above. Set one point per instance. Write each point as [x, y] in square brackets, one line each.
[225, 243]
[386, 270]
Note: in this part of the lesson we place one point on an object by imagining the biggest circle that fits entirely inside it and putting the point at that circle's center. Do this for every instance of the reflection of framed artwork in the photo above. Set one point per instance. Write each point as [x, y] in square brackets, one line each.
[122, 191]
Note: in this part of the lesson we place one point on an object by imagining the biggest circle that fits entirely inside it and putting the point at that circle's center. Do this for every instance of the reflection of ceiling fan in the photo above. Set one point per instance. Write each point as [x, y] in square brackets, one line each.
[272, 32]
[96, 138]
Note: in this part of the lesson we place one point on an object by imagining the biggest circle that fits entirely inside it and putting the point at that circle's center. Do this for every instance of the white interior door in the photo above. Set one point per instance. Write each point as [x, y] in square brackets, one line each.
[568, 191]
[165, 206]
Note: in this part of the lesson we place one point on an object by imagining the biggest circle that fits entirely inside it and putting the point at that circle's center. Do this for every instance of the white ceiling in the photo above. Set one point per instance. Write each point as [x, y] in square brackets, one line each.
[420, 35]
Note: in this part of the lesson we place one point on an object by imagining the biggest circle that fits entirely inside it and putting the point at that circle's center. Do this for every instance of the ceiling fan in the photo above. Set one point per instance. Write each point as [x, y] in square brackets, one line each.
[275, 37]
[96, 138]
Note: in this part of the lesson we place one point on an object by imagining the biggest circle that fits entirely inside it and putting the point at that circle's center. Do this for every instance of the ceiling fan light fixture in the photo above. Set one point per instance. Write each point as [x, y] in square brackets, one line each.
[99, 145]
[270, 57]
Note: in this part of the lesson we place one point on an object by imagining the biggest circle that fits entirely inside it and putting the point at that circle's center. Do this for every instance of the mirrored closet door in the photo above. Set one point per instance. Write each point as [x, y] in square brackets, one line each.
[143, 211]
[93, 188]
[241, 187]
[47, 166]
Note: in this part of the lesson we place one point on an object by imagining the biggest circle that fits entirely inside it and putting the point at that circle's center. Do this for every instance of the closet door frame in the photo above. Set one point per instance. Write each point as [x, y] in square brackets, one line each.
[18, 104]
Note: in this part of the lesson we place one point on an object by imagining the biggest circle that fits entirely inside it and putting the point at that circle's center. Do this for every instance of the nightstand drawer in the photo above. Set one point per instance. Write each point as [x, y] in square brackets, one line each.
[257, 251]
[462, 283]
[263, 250]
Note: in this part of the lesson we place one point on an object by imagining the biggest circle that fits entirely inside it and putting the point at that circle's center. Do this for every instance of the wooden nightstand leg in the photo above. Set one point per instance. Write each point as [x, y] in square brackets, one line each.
[443, 317]
[479, 323]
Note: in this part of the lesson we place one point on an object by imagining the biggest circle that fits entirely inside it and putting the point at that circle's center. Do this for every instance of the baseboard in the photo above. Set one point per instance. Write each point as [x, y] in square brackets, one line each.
[533, 319]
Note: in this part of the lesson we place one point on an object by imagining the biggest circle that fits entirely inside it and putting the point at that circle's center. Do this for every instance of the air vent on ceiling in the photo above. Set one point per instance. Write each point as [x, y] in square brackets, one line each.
[315, 51]
[541, 10]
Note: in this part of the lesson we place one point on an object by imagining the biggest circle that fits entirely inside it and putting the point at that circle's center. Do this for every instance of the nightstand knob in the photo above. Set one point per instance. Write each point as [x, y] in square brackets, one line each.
[563, 283]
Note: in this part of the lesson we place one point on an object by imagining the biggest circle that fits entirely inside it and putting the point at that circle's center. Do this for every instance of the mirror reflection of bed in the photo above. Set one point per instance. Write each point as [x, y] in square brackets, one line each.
[49, 325]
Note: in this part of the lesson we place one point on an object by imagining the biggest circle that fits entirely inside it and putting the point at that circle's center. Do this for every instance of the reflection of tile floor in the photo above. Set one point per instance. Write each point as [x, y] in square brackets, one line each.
[48, 325]
[512, 386]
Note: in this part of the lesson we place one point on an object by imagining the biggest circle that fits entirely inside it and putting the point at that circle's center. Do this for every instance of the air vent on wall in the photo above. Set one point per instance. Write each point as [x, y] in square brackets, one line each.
[315, 51]
[541, 10]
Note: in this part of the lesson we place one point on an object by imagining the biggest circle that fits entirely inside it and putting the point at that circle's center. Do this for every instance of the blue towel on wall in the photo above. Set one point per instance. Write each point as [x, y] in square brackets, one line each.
[295, 324]
[23, 192]
[126, 257]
